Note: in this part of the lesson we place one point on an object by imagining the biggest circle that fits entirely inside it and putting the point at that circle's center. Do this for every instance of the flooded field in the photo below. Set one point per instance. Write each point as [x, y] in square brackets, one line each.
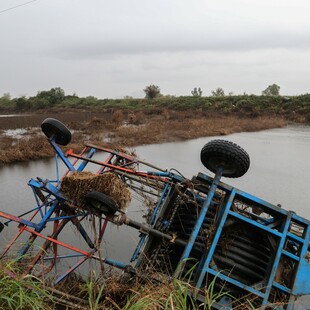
[22, 140]
[278, 173]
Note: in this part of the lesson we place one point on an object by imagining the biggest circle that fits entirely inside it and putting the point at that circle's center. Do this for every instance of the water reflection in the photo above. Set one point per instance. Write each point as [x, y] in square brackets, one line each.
[279, 163]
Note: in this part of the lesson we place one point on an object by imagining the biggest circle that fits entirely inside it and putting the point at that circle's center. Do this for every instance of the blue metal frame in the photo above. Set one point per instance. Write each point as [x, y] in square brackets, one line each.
[301, 282]
[278, 225]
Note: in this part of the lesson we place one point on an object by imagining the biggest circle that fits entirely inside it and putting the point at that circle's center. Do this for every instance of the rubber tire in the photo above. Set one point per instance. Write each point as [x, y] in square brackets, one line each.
[101, 203]
[53, 127]
[222, 153]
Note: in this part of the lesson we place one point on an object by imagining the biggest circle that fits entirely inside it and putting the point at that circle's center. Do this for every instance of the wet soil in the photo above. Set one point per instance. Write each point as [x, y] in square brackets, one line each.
[21, 138]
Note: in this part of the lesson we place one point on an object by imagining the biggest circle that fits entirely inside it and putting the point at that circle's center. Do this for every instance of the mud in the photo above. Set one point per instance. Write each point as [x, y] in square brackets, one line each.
[121, 128]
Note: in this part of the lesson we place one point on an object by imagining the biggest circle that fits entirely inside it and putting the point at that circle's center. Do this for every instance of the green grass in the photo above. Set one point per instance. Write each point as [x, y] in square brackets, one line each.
[94, 292]
[21, 292]
[28, 292]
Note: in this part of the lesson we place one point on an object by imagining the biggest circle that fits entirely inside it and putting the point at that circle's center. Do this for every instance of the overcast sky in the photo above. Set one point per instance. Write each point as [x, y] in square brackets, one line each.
[110, 49]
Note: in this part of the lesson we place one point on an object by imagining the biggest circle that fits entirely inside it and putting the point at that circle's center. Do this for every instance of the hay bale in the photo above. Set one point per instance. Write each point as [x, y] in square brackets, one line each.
[77, 184]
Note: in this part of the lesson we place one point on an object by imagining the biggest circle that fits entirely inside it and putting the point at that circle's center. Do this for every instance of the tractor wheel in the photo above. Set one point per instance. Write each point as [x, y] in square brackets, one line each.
[53, 127]
[234, 160]
[101, 203]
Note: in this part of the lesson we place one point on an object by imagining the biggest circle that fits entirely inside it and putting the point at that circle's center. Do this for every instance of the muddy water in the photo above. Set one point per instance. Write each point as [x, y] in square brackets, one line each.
[279, 173]
[279, 170]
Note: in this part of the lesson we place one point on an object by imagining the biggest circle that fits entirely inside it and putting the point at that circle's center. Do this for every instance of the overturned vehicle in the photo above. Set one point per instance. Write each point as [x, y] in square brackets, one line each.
[200, 230]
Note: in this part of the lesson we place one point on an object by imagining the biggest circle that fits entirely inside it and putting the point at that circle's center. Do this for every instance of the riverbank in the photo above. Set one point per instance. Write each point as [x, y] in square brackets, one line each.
[21, 138]
[136, 293]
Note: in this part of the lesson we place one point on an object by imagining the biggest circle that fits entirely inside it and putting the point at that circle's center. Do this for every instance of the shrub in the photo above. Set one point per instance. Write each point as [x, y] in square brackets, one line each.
[152, 91]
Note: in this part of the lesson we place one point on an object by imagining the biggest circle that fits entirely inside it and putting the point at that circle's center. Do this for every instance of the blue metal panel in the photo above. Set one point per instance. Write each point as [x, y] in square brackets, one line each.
[296, 238]
[302, 281]
[216, 238]
[153, 218]
[277, 259]
[281, 287]
[290, 255]
[300, 219]
[151, 221]
[254, 223]
[236, 283]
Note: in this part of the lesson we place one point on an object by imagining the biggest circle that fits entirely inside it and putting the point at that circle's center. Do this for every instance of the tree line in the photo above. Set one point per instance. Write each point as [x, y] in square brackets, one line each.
[56, 97]
[153, 91]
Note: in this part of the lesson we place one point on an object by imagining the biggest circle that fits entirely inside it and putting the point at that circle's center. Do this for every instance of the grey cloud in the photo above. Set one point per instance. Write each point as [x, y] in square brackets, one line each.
[112, 48]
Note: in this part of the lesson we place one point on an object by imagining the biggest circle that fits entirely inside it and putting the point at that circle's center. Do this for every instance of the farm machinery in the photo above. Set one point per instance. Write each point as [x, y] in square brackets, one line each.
[199, 230]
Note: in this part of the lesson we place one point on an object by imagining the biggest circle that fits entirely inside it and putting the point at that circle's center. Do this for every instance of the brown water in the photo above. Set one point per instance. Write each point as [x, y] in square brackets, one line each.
[279, 170]
[279, 173]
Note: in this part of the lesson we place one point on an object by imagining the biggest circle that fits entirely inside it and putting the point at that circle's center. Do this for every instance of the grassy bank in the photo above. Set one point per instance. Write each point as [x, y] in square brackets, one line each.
[132, 122]
[123, 128]
[109, 292]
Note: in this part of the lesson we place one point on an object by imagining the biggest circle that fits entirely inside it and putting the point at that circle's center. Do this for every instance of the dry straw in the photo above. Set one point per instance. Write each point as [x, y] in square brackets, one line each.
[77, 184]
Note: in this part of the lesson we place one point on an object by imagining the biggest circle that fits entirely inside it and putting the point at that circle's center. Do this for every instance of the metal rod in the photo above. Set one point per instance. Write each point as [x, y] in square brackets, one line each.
[147, 229]
[199, 222]
[126, 156]
[76, 265]
[49, 240]
[61, 154]
[118, 168]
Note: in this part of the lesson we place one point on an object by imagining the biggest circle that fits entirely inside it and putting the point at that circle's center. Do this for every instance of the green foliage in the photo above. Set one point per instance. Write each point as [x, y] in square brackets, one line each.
[53, 96]
[94, 292]
[38, 103]
[244, 103]
[212, 295]
[218, 101]
[196, 92]
[152, 91]
[271, 90]
[21, 103]
[21, 292]
[218, 92]
[72, 101]
[5, 100]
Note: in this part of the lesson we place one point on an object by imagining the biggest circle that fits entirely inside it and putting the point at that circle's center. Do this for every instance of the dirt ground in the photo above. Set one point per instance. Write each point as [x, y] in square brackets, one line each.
[21, 138]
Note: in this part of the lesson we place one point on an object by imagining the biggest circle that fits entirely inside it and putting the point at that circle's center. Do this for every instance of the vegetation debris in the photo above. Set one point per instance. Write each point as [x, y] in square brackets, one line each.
[77, 184]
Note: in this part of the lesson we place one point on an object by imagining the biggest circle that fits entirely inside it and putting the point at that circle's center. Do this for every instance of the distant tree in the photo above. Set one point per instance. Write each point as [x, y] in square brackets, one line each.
[197, 92]
[230, 93]
[128, 97]
[39, 103]
[90, 100]
[6, 96]
[271, 90]
[152, 91]
[53, 96]
[21, 103]
[218, 92]
[5, 100]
